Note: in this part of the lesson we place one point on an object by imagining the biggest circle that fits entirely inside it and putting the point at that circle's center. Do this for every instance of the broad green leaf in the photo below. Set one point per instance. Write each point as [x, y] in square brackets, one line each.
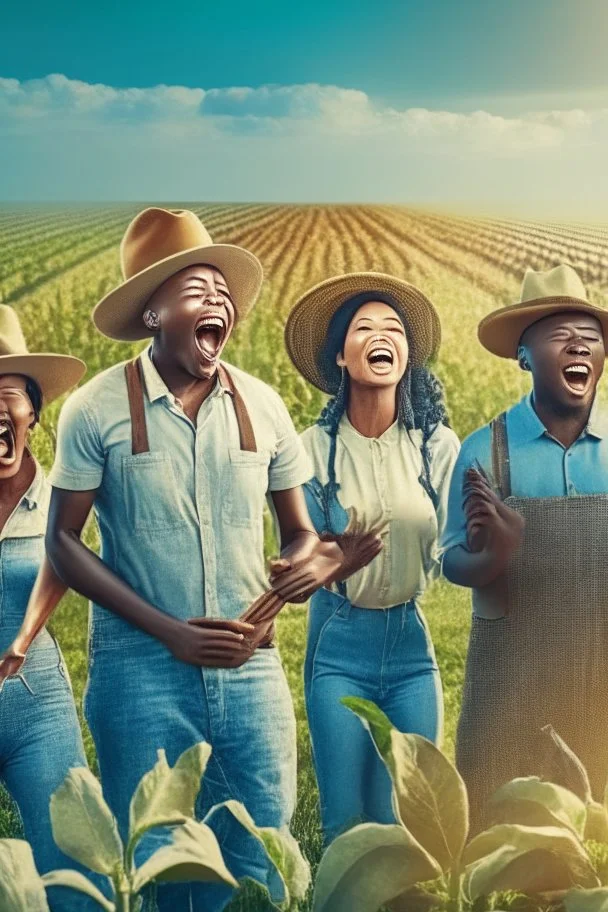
[368, 866]
[21, 887]
[83, 825]
[429, 794]
[596, 827]
[587, 900]
[564, 765]
[281, 848]
[527, 859]
[193, 854]
[532, 802]
[167, 795]
[77, 881]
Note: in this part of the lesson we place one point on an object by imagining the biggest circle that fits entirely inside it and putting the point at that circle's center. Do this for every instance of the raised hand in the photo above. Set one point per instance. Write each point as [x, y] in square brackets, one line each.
[492, 526]
[305, 566]
[358, 544]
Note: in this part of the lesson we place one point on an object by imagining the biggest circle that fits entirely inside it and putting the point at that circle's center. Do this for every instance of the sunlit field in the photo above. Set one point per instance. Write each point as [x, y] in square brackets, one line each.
[55, 264]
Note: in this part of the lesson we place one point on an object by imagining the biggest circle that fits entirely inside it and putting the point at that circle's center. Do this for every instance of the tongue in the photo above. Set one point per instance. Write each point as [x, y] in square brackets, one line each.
[3, 447]
[209, 342]
[576, 380]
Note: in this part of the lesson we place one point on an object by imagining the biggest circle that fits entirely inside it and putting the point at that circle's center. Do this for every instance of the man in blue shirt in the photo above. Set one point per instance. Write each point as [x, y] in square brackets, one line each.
[526, 530]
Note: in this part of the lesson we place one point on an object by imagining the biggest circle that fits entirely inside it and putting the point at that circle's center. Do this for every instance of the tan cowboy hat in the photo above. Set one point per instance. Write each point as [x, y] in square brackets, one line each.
[542, 294]
[54, 374]
[157, 244]
[308, 322]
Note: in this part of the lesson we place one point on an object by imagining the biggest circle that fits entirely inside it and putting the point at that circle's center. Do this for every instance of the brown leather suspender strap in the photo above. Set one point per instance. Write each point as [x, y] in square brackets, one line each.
[139, 432]
[501, 467]
[135, 389]
[246, 434]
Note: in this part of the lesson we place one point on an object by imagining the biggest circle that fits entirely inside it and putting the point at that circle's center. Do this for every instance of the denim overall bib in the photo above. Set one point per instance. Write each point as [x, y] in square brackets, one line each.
[40, 736]
[384, 655]
[140, 698]
[537, 651]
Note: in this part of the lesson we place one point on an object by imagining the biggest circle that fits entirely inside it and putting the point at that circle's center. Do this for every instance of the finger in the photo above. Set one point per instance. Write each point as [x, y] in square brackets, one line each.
[238, 625]
[217, 637]
[301, 589]
[287, 582]
[278, 565]
[267, 602]
[269, 611]
[259, 602]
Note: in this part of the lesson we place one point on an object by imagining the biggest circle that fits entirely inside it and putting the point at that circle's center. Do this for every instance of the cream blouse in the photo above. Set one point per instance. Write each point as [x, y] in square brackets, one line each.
[379, 478]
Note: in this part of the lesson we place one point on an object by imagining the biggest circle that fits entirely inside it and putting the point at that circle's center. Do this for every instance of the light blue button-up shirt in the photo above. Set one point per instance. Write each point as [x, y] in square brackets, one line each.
[182, 524]
[540, 465]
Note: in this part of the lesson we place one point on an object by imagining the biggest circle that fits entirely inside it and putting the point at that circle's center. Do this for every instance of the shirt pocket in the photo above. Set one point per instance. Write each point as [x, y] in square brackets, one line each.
[244, 488]
[150, 492]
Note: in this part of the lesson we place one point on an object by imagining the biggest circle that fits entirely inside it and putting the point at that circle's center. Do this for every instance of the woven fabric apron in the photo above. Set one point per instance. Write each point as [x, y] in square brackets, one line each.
[538, 650]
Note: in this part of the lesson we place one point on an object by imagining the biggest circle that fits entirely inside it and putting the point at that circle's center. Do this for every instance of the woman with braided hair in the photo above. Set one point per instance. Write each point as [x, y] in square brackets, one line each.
[382, 453]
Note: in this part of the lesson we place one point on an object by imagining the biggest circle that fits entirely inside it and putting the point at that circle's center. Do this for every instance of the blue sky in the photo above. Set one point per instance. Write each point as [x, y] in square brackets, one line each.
[489, 102]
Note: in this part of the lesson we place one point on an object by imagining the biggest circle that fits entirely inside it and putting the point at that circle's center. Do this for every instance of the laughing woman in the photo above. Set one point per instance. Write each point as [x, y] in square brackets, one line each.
[39, 733]
[382, 455]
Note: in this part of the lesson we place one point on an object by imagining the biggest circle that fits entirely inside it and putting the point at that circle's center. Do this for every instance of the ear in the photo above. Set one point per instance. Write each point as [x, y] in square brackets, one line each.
[340, 360]
[151, 320]
[521, 357]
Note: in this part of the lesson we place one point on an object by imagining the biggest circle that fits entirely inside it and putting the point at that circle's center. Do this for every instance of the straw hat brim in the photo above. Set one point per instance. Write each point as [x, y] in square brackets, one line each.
[501, 331]
[308, 322]
[54, 374]
[119, 314]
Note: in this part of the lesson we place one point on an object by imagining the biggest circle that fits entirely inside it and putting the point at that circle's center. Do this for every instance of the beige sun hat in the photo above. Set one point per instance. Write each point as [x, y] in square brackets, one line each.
[542, 294]
[308, 322]
[157, 244]
[54, 374]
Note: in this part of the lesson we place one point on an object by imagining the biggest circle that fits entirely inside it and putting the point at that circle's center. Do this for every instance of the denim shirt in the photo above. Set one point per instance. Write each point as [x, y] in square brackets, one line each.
[540, 465]
[21, 553]
[183, 523]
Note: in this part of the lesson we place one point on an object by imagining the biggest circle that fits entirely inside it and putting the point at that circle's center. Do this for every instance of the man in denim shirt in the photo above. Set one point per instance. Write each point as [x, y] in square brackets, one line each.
[176, 454]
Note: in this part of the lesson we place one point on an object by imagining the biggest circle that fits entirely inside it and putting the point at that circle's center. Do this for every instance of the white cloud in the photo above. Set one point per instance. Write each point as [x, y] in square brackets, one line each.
[285, 142]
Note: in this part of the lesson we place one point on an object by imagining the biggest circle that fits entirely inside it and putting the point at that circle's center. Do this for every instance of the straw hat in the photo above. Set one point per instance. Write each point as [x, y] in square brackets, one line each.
[54, 374]
[157, 244]
[542, 294]
[308, 322]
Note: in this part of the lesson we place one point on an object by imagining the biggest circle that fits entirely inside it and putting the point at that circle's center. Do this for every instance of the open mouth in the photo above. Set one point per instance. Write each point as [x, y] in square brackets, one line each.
[7, 443]
[209, 333]
[380, 358]
[577, 376]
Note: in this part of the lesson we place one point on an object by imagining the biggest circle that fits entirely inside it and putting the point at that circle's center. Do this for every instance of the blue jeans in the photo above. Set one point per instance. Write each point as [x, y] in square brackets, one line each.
[139, 698]
[39, 742]
[384, 655]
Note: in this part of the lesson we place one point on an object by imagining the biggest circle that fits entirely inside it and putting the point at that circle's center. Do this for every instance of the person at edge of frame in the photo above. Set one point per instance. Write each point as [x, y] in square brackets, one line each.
[382, 453]
[176, 452]
[40, 738]
[526, 530]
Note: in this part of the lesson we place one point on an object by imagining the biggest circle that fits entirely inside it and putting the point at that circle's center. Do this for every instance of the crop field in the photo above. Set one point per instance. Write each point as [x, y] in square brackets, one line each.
[55, 264]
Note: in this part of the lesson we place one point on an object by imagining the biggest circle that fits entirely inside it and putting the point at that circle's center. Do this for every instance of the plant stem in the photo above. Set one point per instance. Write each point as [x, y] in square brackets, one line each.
[455, 889]
[123, 901]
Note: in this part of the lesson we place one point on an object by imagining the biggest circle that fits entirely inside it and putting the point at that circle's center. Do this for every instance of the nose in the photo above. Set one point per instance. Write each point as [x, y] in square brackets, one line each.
[578, 347]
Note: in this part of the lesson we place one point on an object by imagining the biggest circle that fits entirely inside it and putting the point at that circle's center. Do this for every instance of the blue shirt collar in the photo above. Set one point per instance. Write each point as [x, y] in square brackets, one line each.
[527, 426]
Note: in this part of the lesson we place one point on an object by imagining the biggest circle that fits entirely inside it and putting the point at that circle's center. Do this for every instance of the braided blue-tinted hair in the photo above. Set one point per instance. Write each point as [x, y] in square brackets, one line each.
[420, 400]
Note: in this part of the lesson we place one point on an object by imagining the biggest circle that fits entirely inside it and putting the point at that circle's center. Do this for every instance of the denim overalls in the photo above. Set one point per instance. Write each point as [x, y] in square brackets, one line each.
[384, 655]
[40, 736]
[139, 697]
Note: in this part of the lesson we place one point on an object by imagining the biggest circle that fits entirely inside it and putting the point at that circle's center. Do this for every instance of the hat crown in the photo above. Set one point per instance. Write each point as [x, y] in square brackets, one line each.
[12, 340]
[561, 282]
[156, 234]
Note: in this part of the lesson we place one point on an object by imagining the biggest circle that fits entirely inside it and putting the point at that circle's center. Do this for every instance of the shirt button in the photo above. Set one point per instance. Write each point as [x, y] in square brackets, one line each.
[571, 488]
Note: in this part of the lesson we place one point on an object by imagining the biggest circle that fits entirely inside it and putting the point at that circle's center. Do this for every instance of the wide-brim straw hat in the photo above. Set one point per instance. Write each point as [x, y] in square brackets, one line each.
[54, 374]
[308, 322]
[157, 244]
[542, 294]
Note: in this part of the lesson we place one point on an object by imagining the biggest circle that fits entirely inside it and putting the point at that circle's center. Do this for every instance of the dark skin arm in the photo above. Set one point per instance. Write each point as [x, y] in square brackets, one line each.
[209, 643]
[494, 532]
[47, 593]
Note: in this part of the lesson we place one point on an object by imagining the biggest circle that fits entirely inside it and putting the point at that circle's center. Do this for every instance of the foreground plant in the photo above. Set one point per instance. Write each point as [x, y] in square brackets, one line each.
[375, 865]
[85, 829]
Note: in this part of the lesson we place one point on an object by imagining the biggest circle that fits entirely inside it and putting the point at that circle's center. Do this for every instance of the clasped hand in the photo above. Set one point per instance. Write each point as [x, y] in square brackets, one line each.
[492, 526]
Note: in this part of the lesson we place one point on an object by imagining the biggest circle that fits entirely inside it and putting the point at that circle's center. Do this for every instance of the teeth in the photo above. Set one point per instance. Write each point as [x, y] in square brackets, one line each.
[375, 352]
[211, 321]
[577, 369]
